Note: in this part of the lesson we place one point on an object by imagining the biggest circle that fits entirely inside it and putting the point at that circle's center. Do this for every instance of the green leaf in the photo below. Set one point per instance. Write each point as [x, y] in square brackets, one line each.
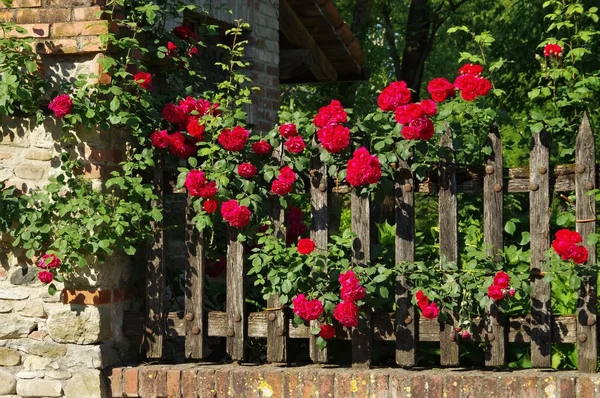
[286, 286]
[510, 227]
[51, 289]
[321, 343]
[524, 238]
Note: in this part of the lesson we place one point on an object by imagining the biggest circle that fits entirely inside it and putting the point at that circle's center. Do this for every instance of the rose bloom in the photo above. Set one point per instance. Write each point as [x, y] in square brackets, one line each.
[410, 133]
[193, 51]
[309, 310]
[306, 246]
[172, 49]
[160, 139]
[190, 104]
[234, 140]
[351, 290]
[495, 292]
[483, 86]
[179, 147]
[295, 144]
[334, 139]
[363, 168]
[408, 113]
[394, 95]
[465, 334]
[48, 261]
[422, 299]
[281, 188]
[553, 50]
[237, 216]
[501, 279]
[208, 190]
[580, 256]
[173, 114]
[144, 80]
[45, 277]
[286, 174]
[568, 235]
[195, 129]
[327, 332]
[194, 181]
[261, 147]
[470, 69]
[346, 313]
[246, 170]
[425, 128]
[431, 311]
[288, 130]
[210, 205]
[440, 89]
[429, 107]
[61, 105]
[184, 32]
[331, 114]
[467, 84]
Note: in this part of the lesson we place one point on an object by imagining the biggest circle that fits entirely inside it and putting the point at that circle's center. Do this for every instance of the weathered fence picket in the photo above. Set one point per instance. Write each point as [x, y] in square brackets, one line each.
[448, 216]
[155, 274]
[236, 309]
[407, 320]
[195, 326]
[319, 234]
[539, 213]
[492, 238]
[585, 180]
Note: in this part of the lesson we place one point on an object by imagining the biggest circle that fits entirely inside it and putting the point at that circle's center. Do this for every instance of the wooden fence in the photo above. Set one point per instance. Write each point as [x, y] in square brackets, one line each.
[540, 328]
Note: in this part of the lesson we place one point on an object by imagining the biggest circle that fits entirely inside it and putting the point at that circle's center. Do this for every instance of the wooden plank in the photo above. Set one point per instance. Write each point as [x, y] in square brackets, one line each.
[319, 234]
[195, 326]
[155, 274]
[361, 226]
[236, 311]
[492, 238]
[539, 208]
[587, 302]
[406, 316]
[448, 219]
[294, 31]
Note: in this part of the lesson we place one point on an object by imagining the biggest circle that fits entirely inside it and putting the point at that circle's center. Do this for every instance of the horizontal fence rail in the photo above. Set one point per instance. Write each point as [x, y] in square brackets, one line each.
[404, 327]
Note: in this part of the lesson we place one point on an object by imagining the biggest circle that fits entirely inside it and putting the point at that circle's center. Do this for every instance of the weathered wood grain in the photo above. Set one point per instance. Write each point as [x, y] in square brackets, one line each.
[448, 222]
[155, 274]
[236, 311]
[539, 213]
[406, 316]
[195, 326]
[492, 238]
[587, 303]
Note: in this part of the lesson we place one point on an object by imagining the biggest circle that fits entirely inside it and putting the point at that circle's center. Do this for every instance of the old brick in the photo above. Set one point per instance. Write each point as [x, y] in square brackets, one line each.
[238, 382]
[435, 386]
[548, 386]
[86, 13]
[31, 30]
[222, 383]
[87, 297]
[153, 382]
[585, 387]
[57, 46]
[71, 3]
[30, 172]
[23, 4]
[343, 384]
[363, 381]
[567, 387]
[114, 378]
[275, 381]
[83, 28]
[310, 387]
[326, 382]
[293, 383]
[417, 386]
[173, 383]
[131, 382]
[92, 45]
[188, 383]
[452, 386]
[43, 15]
[509, 386]
[7, 16]
[528, 386]
[257, 387]
[205, 387]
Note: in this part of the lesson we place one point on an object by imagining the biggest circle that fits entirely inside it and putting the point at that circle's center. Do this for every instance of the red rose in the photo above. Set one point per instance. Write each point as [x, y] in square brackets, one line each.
[299, 303]
[327, 332]
[48, 261]
[237, 216]
[286, 174]
[440, 89]
[501, 279]
[45, 277]
[495, 292]
[210, 205]
[234, 140]
[422, 299]
[483, 86]
[295, 224]
[179, 147]
[424, 127]
[144, 80]
[61, 105]
[410, 133]
[346, 313]
[346, 276]
[172, 49]
[288, 130]
[295, 144]
[194, 181]
[394, 95]
[334, 139]
[160, 139]
[470, 69]
[569, 236]
[261, 147]
[173, 114]
[306, 246]
[429, 107]
[193, 51]
[208, 190]
[309, 310]
[580, 256]
[363, 168]
[431, 311]
[191, 104]
[195, 129]
[184, 32]
[552, 50]
[408, 113]
[413, 112]
[246, 170]
[281, 188]
[331, 114]
[351, 290]
[467, 84]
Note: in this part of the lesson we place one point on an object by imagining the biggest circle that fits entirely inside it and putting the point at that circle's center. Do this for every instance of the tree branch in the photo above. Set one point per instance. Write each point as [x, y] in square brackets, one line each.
[391, 41]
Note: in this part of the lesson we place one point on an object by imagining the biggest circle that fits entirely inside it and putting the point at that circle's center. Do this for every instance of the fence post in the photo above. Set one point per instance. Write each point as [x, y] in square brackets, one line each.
[319, 234]
[407, 319]
[539, 205]
[236, 312]
[448, 219]
[155, 278]
[585, 180]
[495, 339]
[361, 223]
[195, 323]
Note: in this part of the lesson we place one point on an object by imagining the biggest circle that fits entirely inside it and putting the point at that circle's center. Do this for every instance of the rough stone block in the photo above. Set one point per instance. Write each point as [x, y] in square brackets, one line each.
[39, 388]
[15, 327]
[85, 384]
[28, 171]
[57, 374]
[8, 383]
[39, 154]
[7, 293]
[80, 324]
[5, 307]
[33, 308]
[70, 3]
[9, 357]
[82, 28]
[23, 3]
[33, 362]
[23, 275]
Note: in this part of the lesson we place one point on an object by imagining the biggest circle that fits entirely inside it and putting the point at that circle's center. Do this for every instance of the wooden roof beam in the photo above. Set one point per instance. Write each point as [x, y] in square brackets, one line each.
[298, 36]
